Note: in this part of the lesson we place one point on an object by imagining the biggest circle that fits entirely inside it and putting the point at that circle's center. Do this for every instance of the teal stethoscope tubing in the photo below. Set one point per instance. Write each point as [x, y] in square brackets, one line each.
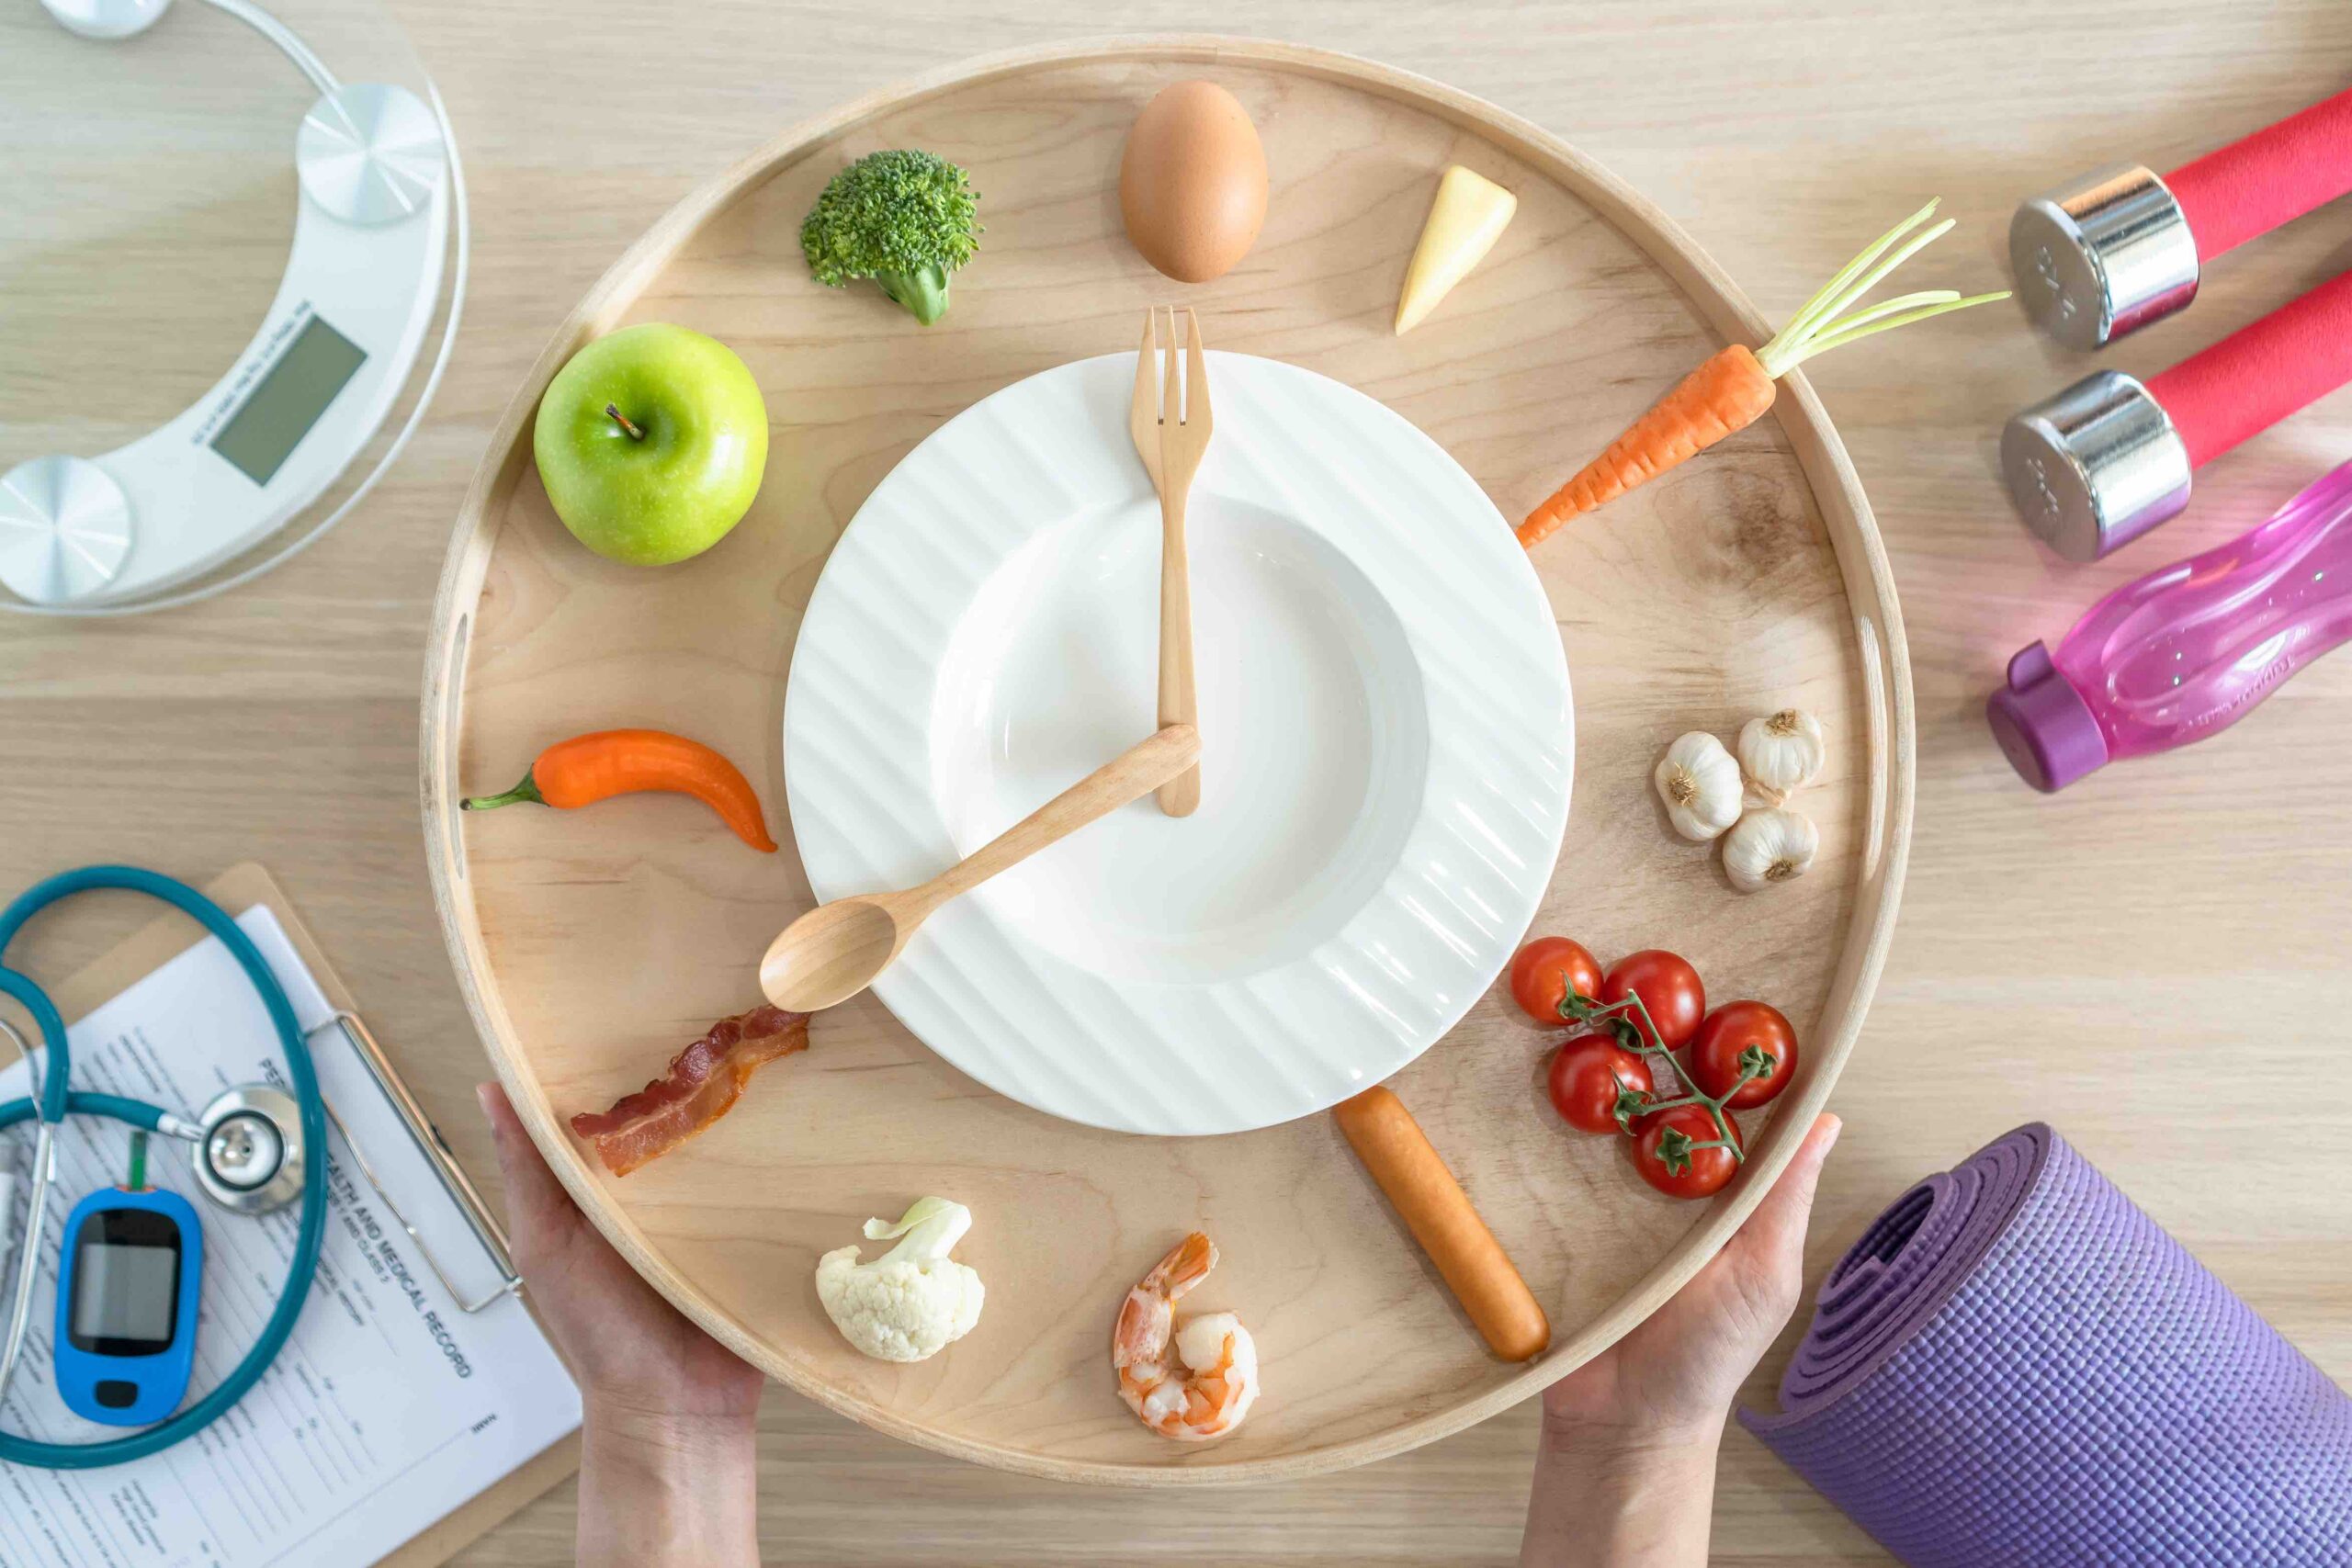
[57, 1101]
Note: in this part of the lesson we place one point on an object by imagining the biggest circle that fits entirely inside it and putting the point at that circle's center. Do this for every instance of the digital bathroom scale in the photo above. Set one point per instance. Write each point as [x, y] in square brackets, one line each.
[144, 524]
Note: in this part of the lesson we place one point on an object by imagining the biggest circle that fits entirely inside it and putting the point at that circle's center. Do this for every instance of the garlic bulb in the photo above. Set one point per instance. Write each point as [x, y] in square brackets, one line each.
[1772, 845]
[1699, 783]
[1783, 751]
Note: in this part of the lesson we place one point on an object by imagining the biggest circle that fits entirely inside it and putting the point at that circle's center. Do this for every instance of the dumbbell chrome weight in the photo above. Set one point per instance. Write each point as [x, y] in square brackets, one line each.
[2111, 456]
[2125, 246]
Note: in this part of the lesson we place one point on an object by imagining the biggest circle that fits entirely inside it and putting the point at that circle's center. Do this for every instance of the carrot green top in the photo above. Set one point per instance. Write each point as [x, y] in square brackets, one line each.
[1829, 319]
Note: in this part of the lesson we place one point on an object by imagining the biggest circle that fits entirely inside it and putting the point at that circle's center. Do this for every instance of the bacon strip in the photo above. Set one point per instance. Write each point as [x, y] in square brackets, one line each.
[702, 1085]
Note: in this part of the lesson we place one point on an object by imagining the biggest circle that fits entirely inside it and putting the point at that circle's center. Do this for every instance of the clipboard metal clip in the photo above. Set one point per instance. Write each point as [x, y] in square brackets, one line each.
[427, 1138]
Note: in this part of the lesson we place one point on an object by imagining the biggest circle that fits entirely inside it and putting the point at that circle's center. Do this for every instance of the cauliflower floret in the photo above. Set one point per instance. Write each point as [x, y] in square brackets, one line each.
[912, 1302]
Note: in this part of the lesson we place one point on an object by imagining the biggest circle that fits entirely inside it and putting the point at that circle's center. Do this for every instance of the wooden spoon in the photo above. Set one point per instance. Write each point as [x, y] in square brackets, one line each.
[836, 949]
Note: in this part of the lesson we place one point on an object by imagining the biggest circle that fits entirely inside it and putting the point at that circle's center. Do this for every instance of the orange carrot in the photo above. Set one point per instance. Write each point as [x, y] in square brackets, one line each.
[1727, 393]
[1733, 388]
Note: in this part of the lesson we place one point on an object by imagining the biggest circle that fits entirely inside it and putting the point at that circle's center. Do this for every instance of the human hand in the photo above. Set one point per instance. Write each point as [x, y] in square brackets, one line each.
[1624, 1472]
[631, 1351]
[667, 1471]
[1677, 1373]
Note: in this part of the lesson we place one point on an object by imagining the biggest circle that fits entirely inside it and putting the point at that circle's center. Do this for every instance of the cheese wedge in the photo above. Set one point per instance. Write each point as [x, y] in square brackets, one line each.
[1468, 216]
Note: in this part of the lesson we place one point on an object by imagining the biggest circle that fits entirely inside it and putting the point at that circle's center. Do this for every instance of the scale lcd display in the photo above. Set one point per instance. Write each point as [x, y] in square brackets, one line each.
[124, 1298]
[287, 400]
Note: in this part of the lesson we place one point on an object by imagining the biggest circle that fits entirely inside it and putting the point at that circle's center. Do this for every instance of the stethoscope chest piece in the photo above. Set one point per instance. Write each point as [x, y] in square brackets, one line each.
[249, 1156]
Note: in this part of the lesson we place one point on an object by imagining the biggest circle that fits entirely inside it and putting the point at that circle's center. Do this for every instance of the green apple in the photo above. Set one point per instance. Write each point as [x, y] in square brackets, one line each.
[652, 441]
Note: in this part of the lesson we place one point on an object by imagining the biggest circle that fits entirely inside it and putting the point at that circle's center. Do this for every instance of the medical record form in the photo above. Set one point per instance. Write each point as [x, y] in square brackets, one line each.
[389, 1407]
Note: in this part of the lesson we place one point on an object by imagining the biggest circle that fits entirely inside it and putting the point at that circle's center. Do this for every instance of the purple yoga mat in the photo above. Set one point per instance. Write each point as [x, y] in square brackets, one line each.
[2016, 1366]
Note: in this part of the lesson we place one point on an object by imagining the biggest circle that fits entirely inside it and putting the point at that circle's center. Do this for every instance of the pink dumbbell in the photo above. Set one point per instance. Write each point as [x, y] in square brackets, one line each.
[2112, 253]
[2109, 457]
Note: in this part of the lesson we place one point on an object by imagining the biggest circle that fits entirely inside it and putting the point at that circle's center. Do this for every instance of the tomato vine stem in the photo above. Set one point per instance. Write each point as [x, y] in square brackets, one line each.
[1675, 1146]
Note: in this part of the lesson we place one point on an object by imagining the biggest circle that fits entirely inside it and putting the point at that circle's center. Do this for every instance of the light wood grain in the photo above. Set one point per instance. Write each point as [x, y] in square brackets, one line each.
[1592, 286]
[2093, 958]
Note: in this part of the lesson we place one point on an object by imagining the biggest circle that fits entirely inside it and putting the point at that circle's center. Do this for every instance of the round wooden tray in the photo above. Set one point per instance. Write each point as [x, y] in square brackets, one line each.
[593, 944]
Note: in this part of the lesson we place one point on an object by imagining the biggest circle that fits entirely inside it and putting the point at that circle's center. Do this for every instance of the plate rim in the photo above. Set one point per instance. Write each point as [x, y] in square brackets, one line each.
[1867, 577]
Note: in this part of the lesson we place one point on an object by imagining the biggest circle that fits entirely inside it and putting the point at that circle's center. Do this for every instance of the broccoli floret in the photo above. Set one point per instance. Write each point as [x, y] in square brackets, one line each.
[904, 218]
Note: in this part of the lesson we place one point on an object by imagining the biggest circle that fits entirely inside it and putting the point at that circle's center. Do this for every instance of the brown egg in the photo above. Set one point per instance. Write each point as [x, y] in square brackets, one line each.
[1193, 183]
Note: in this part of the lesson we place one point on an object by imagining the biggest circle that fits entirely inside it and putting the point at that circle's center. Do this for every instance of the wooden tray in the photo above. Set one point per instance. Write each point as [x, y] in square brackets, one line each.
[592, 944]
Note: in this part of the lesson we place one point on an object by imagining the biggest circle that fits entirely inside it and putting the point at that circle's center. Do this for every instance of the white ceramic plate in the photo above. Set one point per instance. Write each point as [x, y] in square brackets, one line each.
[1385, 728]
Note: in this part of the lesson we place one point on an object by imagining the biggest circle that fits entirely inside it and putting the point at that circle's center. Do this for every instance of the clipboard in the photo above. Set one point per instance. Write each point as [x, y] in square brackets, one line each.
[236, 890]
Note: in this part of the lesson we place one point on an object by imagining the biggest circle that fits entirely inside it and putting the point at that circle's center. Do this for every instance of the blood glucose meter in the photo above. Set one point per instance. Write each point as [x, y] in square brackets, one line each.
[128, 1277]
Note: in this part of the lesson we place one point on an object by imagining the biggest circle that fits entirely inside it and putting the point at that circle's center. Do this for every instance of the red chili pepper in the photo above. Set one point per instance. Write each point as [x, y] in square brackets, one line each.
[623, 761]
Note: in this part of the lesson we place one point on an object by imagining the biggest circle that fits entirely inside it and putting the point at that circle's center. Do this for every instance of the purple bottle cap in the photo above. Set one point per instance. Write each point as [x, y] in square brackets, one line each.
[2043, 726]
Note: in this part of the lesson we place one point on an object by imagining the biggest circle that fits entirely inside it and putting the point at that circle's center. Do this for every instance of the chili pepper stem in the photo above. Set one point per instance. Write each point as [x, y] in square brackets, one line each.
[527, 790]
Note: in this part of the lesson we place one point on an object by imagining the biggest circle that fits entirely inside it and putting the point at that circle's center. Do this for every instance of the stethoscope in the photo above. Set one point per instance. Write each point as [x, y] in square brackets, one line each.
[255, 1149]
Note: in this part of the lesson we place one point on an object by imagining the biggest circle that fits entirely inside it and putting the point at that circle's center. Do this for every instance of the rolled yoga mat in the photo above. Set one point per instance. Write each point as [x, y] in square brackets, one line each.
[2015, 1365]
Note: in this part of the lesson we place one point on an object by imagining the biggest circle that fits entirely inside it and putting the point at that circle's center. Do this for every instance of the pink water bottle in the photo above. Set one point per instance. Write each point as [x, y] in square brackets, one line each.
[2187, 650]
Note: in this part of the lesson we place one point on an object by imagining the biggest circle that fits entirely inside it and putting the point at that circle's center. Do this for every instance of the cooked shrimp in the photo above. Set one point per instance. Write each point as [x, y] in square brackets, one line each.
[1191, 1383]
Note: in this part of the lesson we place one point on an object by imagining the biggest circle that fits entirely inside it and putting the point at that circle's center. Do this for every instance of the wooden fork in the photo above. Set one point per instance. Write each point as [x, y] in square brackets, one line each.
[1170, 427]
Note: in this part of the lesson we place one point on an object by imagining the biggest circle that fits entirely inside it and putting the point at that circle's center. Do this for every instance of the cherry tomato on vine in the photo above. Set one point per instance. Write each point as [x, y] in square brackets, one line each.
[1725, 1035]
[1585, 1078]
[1661, 1151]
[1668, 987]
[1546, 971]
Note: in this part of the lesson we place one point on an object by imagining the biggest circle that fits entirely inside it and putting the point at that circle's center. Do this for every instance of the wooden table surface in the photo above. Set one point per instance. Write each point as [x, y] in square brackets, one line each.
[2153, 962]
